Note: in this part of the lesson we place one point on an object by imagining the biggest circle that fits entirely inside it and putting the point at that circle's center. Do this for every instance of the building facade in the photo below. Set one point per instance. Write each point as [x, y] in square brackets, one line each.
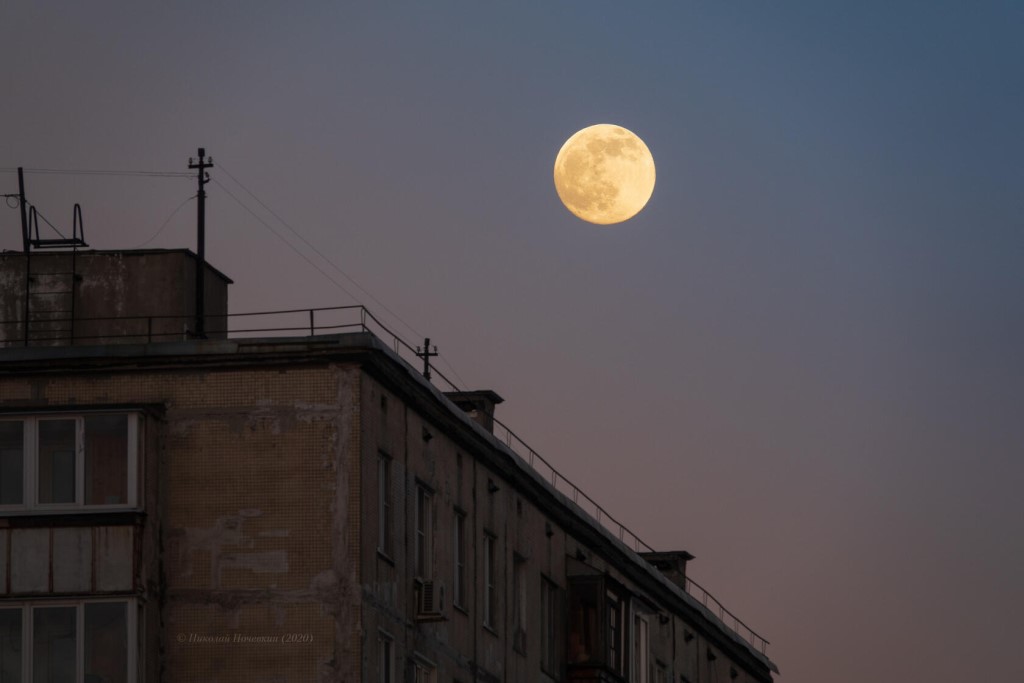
[298, 508]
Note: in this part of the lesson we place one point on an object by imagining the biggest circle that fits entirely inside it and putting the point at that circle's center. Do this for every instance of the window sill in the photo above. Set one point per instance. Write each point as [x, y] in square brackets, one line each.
[460, 608]
[79, 517]
[593, 671]
[384, 556]
[490, 629]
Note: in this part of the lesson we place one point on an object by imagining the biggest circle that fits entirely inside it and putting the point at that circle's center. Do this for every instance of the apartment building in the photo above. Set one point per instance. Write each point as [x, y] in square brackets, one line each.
[296, 505]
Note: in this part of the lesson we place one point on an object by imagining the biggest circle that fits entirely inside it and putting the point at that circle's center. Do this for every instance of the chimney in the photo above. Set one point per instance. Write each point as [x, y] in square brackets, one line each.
[479, 405]
[671, 563]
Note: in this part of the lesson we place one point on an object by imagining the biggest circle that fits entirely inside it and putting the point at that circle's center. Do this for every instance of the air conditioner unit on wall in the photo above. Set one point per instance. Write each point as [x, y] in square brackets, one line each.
[429, 601]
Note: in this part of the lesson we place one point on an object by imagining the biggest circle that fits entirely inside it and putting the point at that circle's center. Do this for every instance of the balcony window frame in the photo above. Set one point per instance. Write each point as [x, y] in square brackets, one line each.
[640, 671]
[550, 609]
[616, 641]
[31, 463]
[598, 625]
[28, 643]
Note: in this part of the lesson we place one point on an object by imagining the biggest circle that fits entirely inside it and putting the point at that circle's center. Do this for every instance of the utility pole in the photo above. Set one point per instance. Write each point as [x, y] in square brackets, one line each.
[203, 177]
[26, 245]
[21, 204]
[426, 354]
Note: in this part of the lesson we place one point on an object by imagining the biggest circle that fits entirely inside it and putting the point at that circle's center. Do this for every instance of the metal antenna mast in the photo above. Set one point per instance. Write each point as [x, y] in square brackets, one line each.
[203, 178]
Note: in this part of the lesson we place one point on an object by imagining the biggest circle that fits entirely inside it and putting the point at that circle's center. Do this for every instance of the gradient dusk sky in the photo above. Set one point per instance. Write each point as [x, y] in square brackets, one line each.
[803, 362]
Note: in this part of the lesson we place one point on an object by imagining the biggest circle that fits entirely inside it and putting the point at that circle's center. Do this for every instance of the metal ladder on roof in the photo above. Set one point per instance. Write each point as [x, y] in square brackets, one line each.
[50, 292]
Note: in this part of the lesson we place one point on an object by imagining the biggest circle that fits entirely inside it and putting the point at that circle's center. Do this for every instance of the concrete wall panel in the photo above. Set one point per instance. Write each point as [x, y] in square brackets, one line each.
[114, 558]
[30, 560]
[72, 559]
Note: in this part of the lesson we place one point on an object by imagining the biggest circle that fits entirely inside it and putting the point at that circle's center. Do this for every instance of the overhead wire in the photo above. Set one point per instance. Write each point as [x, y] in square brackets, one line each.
[100, 172]
[227, 172]
[220, 165]
[164, 224]
[282, 238]
[318, 251]
[45, 219]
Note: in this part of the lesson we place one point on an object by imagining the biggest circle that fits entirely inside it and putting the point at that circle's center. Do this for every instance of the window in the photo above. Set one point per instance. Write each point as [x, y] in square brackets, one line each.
[458, 477]
[459, 543]
[641, 648]
[423, 672]
[57, 455]
[519, 603]
[490, 606]
[68, 641]
[12, 462]
[584, 611]
[386, 654]
[598, 624]
[10, 645]
[68, 461]
[424, 532]
[615, 634]
[548, 627]
[384, 503]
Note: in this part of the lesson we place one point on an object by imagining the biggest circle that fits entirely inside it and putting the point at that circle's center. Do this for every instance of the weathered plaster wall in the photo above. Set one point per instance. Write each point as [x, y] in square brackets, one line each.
[107, 284]
[259, 511]
[460, 647]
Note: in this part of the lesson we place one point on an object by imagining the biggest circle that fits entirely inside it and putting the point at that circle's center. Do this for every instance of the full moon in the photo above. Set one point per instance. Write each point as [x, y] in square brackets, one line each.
[604, 174]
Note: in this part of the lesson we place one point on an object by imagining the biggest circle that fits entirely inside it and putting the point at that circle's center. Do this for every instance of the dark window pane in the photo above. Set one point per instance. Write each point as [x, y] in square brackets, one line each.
[424, 539]
[106, 459]
[12, 459]
[548, 611]
[53, 645]
[384, 501]
[490, 605]
[519, 604]
[386, 660]
[460, 559]
[10, 645]
[56, 461]
[614, 633]
[584, 626]
[106, 642]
